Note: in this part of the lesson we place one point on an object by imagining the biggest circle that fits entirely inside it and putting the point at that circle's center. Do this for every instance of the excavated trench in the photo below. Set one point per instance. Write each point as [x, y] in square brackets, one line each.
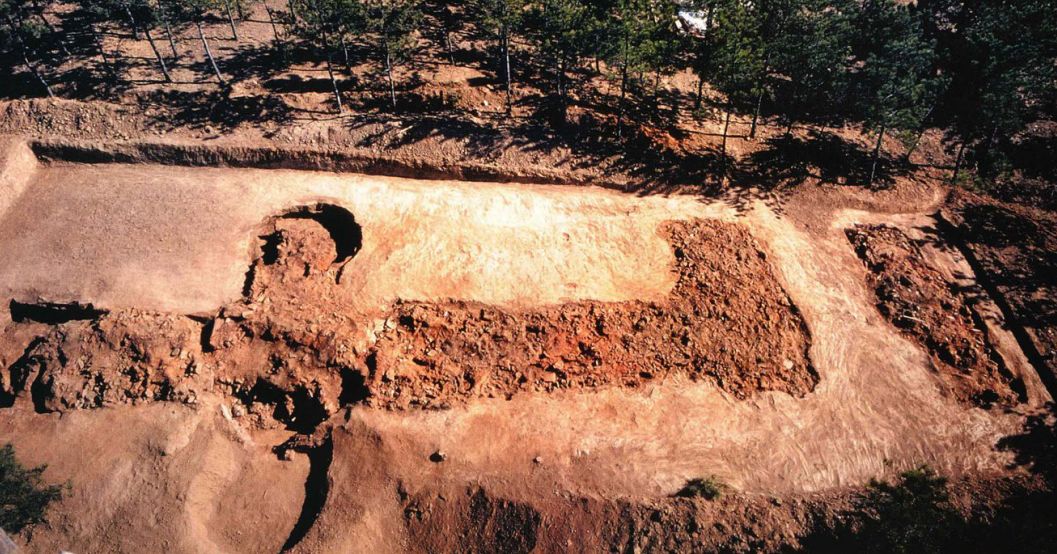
[286, 344]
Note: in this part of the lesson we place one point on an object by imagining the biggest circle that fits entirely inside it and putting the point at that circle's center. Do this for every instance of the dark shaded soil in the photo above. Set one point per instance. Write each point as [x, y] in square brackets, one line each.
[1014, 247]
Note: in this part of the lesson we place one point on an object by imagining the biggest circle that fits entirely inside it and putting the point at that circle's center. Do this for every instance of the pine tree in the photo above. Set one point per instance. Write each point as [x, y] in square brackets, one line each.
[732, 57]
[324, 24]
[392, 24]
[501, 20]
[642, 36]
[812, 55]
[20, 32]
[893, 79]
[195, 11]
[1000, 59]
[561, 32]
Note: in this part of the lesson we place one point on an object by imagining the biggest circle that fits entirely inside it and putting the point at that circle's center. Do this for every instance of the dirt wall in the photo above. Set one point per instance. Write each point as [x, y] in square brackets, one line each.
[17, 164]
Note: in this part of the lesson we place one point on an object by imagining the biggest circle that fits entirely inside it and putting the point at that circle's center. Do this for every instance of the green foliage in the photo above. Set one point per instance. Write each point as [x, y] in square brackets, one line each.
[710, 488]
[391, 24]
[733, 52]
[1000, 57]
[812, 55]
[892, 80]
[23, 495]
[913, 515]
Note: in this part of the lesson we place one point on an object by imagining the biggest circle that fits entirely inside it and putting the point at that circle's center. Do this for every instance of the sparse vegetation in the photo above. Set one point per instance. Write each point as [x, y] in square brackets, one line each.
[709, 488]
[912, 515]
[24, 496]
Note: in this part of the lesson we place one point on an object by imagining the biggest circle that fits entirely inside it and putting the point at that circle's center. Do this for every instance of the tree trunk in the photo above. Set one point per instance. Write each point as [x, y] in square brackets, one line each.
[333, 82]
[756, 115]
[231, 21]
[984, 164]
[921, 132]
[275, 28]
[25, 58]
[98, 38]
[54, 31]
[876, 155]
[726, 127]
[345, 54]
[172, 42]
[700, 87]
[389, 74]
[209, 53]
[293, 12]
[157, 54]
[449, 47]
[132, 22]
[623, 90]
[506, 61]
[958, 162]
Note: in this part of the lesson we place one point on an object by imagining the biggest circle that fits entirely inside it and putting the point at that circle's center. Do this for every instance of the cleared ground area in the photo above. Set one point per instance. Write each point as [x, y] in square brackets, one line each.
[829, 393]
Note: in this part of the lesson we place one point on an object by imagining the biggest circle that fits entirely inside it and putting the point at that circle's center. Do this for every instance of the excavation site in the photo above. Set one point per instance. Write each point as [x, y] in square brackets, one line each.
[237, 359]
[528, 276]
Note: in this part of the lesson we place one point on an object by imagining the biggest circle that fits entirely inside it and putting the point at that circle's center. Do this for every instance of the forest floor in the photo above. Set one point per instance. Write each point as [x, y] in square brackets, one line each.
[237, 322]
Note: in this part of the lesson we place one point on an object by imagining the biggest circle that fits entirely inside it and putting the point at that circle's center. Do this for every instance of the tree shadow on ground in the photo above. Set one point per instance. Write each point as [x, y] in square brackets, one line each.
[916, 513]
[792, 160]
[197, 110]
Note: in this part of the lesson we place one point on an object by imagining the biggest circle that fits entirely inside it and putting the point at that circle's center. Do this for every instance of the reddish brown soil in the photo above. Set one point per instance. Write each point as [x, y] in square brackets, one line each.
[918, 300]
[1015, 248]
[726, 320]
[290, 350]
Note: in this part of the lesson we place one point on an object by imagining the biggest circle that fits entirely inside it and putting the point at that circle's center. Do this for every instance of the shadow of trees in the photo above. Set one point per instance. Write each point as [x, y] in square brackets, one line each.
[917, 513]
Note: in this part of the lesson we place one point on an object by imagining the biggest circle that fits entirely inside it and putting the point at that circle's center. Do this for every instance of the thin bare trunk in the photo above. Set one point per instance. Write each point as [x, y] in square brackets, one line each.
[345, 53]
[54, 31]
[172, 42]
[921, 132]
[132, 22]
[700, 88]
[876, 155]
[157, 54]
[756, 116]
[389, 74]
[334, 82]
[25, 57]
[506, 59]
[102, 51]
[726, 127]
[209, 53]
[623, 90]
[958, 162]
[450, 48]
[33, 70]
[275, 28]
[231, 21]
